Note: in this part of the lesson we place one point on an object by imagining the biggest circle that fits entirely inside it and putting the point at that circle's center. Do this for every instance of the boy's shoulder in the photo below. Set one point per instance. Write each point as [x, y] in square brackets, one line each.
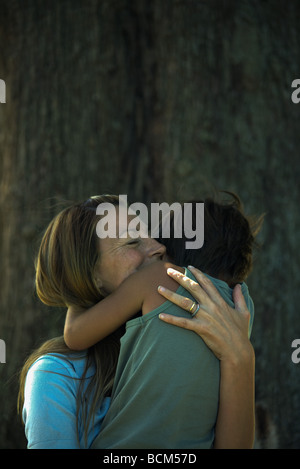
[158, 267]
[155, 273]
[149, 277]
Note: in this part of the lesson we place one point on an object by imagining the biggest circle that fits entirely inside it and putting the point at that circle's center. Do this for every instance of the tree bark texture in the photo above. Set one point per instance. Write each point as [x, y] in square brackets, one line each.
[160, 100]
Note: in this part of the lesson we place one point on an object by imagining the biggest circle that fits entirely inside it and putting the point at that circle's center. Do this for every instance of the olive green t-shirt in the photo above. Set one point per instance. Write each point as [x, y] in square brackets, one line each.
[166, 389]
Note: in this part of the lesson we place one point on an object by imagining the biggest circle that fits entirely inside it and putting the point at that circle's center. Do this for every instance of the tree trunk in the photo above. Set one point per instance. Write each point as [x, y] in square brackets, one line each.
[159, 100]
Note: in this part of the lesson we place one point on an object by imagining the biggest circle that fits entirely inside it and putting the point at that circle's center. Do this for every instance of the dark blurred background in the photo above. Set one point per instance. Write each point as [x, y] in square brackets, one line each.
[160, 100]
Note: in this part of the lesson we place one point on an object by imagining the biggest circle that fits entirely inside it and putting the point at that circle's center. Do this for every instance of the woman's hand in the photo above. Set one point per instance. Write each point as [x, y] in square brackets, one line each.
[224, 329]
[225, 332]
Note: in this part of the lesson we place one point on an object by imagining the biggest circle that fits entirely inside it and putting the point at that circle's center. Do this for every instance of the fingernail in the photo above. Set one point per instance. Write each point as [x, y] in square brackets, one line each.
[171, 271]
[191, 267]
[160, 288]
[161, 316]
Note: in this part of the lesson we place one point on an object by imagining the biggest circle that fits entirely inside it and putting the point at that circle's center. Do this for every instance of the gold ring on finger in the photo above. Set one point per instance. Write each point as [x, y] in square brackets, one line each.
[194, 309]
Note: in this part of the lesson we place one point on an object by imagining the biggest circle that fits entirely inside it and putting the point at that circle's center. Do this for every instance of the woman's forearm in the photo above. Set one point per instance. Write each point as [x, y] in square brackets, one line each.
[235, 426]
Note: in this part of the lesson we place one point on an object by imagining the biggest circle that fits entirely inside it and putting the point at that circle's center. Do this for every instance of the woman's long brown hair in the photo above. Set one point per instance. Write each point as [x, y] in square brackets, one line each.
[65, 268]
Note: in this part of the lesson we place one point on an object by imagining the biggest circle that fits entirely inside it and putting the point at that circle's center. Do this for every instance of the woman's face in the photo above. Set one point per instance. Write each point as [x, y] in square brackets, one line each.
[120, 257]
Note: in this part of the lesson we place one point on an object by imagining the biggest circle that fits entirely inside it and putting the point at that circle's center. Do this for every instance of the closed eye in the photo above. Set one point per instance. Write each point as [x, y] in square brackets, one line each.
[133, 241]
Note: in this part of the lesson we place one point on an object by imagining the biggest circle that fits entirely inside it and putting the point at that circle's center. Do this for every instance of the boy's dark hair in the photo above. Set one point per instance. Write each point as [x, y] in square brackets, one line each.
[229, 239]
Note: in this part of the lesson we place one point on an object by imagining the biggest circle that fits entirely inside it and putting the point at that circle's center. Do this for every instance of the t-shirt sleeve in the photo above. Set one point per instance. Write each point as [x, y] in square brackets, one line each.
[250, 306]
[49, 411]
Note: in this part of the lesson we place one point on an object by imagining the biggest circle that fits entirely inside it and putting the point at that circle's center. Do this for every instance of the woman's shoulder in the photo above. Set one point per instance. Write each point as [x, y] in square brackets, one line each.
[71, 365]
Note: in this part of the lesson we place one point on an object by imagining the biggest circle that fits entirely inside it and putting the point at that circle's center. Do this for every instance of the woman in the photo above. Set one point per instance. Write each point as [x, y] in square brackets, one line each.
[66, 263]
[62, 386]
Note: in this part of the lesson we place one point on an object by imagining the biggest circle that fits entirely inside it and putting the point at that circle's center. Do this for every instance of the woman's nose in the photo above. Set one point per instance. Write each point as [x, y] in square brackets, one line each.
[156, 248]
